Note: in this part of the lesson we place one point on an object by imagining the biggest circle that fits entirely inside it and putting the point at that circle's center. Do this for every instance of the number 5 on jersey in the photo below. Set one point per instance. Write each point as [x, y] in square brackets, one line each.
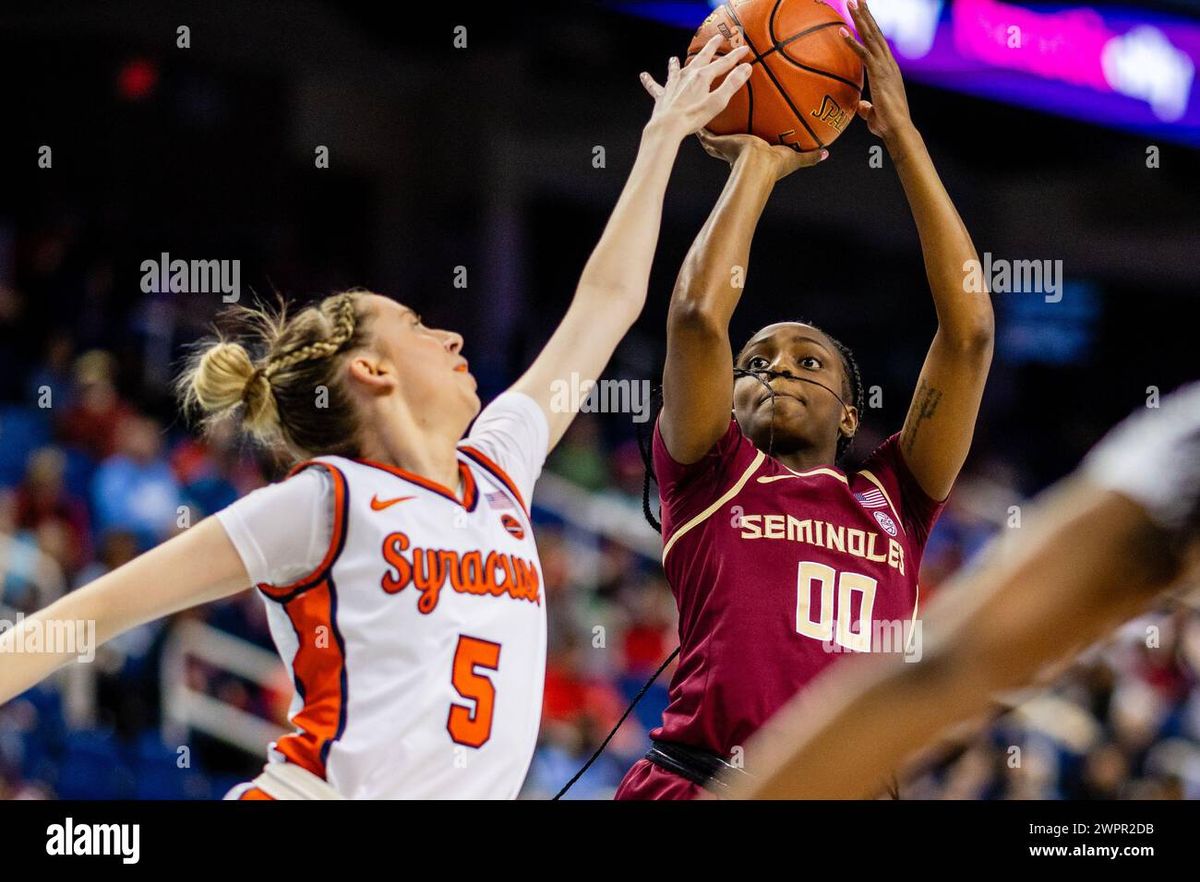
[473, 727]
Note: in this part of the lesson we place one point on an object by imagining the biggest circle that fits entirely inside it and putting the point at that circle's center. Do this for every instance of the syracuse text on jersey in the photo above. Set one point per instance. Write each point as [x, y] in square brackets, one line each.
[427, 570]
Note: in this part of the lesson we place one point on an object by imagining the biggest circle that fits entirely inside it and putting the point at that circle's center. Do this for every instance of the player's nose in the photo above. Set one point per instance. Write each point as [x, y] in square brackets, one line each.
[453, 341]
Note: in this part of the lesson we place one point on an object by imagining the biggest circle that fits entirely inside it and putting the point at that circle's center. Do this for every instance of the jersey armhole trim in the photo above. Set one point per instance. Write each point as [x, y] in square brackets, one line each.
[337, 541]
[725, 497]
[485, 462]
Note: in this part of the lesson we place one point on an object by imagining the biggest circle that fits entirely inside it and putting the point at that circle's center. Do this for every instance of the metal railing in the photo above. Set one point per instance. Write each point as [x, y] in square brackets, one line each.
[185, 708]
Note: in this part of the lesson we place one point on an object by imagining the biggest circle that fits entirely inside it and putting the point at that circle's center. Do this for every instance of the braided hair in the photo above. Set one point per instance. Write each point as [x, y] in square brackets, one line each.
[293, 394]
[854, 380]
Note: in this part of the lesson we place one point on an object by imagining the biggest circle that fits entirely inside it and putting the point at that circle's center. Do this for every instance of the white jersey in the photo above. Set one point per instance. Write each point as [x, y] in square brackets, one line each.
[417, 644]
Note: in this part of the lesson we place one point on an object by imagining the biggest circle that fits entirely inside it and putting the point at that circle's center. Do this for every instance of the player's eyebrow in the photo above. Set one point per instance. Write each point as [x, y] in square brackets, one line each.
[813, 340]
[754, 344]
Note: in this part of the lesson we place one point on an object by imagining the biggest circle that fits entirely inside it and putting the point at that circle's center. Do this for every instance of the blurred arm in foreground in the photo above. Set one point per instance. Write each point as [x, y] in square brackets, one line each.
[1099, 549]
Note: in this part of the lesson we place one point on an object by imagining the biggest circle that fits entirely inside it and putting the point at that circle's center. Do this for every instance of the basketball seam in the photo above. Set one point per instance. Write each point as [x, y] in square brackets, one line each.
[777, 47]
[779, 44]
[750, 107]
[771, 74]
[804, 33]
[820, 72]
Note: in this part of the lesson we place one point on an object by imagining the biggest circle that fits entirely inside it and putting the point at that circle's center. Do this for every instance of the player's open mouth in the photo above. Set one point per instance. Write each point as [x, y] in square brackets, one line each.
[461, 368]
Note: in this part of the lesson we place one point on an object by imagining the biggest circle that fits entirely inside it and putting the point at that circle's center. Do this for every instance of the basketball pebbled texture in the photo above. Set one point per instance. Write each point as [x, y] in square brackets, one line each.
[806, 82]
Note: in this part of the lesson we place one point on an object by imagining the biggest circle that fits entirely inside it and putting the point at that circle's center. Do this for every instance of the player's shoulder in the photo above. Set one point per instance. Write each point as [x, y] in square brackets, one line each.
[885, 451]
[886, 459]
[882, 473]
[508, 410]
[510, 440]
[733, 445]
[885, 477]
[324, 470]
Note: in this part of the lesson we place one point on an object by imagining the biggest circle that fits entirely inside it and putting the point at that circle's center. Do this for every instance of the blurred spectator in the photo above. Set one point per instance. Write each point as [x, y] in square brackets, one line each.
[135, 489]
[95, 409]
[43, 499]
[213, 470]
[54, 374]
[580, 456]
[29, 578]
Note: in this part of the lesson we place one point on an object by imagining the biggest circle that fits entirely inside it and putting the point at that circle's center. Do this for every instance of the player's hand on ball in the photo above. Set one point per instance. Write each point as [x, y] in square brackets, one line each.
[687, 101]
[886, 114]
[751, 148]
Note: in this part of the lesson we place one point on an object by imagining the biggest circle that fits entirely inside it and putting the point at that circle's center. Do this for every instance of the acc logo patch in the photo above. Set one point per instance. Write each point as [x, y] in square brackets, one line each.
[886, 522]
[514, 526]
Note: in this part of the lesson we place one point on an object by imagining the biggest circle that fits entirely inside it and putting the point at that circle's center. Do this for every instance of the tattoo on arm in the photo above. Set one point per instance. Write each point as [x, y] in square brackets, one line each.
[924, 404]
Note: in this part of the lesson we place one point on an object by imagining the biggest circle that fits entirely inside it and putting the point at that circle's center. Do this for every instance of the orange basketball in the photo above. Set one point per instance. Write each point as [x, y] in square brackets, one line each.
[806, 82]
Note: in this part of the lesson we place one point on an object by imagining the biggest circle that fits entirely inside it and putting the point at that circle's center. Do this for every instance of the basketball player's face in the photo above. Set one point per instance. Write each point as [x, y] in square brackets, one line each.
[428, 362]
[800, 414]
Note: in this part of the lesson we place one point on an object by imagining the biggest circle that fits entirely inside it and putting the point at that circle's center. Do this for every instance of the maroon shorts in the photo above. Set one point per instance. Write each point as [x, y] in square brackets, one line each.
[649, 781]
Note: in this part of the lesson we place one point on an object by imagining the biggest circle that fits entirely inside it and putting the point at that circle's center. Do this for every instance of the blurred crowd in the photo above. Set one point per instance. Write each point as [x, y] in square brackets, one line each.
[96, 467]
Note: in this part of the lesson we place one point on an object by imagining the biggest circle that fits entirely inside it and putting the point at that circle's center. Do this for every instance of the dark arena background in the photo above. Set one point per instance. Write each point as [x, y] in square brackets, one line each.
[471, 183]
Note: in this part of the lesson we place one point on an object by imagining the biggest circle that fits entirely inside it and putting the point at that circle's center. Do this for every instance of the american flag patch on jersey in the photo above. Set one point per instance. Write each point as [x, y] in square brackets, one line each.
[872, 498]
[499, 500]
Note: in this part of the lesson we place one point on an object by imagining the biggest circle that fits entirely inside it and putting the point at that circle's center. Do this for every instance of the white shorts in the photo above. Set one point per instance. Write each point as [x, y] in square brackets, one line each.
[283, 780]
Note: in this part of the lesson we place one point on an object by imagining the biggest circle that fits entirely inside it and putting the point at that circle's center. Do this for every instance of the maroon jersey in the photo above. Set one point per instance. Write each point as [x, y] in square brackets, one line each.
[778, 574]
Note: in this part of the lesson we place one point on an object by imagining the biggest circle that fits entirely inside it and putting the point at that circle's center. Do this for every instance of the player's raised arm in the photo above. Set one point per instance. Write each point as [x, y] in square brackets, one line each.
[698, 376]
[941, 419]
[612, 289]
[195, 567]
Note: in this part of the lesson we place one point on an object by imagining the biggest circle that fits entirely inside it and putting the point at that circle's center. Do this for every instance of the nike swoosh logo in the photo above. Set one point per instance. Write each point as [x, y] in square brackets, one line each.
[378, 504]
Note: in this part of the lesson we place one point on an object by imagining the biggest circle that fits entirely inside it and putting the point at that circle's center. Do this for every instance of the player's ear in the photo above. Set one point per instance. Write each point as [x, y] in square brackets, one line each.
[849, 423]
[371, 373]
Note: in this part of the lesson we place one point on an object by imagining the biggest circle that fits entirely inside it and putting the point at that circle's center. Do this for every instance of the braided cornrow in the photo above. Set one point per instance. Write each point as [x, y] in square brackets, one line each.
[857, 397]
[342, 312]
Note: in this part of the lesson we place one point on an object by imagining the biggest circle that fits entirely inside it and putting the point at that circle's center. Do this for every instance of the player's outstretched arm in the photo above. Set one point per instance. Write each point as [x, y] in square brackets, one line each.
[698, 376]
[941, 420]
[195, 567]
[612, 289]
[1097, 550]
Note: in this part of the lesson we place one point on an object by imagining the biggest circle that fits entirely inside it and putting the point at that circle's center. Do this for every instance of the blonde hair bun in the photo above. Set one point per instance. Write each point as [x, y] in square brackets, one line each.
[272, 397]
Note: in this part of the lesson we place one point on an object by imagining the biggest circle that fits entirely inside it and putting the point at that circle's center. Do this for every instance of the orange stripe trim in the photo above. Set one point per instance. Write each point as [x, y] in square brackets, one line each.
[335, 540]
[464, 472]
[470, 492]
[492, 467]
[319, 671]
[256, 793]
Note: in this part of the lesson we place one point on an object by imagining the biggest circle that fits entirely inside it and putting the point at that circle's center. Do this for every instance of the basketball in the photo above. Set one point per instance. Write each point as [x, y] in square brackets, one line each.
[806, 82]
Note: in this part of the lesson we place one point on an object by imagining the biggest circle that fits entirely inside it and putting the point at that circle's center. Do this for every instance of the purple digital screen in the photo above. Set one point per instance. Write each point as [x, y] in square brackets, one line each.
[1126, 68]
